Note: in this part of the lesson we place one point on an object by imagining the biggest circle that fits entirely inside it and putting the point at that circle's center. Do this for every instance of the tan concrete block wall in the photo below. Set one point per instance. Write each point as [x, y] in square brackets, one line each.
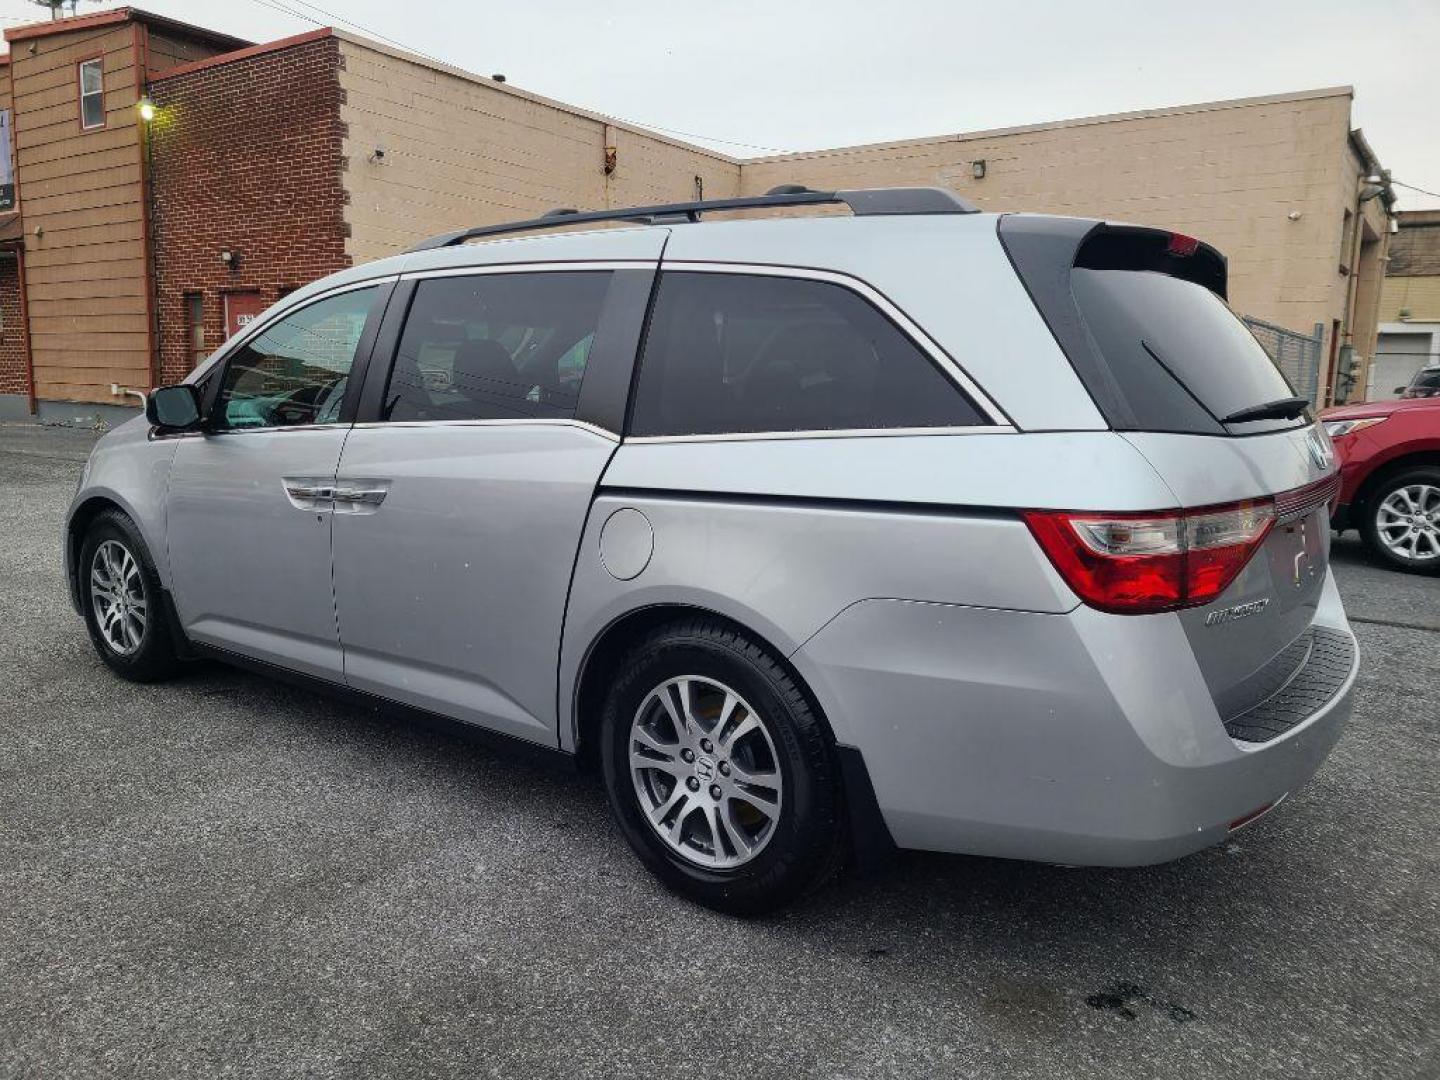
[1420, 294]
[460, 150]
[1228, 174]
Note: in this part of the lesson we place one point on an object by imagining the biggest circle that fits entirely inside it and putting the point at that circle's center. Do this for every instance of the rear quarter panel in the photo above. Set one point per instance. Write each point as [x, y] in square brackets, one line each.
[781, 535]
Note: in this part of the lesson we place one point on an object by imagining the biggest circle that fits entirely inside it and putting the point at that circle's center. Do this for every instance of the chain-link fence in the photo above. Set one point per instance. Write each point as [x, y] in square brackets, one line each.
[1295, 354]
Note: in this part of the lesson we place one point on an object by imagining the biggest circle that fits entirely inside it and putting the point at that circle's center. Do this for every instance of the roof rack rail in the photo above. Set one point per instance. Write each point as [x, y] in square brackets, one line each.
[865, 202]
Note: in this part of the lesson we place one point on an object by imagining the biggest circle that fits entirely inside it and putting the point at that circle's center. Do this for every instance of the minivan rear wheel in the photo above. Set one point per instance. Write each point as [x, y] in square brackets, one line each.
[719, 772]
[1401, 522]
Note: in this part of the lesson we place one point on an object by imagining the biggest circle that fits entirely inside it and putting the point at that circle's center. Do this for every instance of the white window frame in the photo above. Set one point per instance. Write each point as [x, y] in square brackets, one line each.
[99, 64]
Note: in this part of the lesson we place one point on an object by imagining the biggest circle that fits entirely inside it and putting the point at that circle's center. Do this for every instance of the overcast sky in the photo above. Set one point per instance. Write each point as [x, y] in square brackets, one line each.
[794, 76]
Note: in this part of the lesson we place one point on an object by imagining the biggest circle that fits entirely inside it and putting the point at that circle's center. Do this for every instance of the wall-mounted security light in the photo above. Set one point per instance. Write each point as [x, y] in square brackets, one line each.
[146, 108]
[378, 154]
[231, 259]
[977, 169]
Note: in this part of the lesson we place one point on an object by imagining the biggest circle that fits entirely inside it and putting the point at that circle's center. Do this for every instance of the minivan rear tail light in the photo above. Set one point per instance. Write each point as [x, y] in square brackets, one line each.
[1134, 564]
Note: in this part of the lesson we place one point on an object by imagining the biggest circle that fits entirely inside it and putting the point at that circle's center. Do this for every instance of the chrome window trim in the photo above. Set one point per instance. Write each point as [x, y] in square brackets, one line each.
[958, 375]
[269, 427]
[575, 265]
[507, 421]
[821, 433]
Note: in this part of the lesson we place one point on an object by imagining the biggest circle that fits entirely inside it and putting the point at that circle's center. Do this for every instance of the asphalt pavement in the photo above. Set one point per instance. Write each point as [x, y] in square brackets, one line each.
[225, 876]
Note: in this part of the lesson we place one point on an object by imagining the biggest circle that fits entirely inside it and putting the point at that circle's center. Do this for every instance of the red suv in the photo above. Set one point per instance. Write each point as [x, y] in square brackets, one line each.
[1390, 478]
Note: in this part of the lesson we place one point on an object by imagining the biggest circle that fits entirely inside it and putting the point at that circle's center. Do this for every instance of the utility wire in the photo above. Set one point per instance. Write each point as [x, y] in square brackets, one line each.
[1412, 187]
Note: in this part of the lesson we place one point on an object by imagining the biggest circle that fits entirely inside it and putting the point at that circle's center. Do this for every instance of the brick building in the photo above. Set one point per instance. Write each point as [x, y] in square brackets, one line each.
[133, 246]
[1409, 304]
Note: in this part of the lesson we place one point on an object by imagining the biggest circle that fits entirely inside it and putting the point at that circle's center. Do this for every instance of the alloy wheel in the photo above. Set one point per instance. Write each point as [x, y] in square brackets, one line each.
[117, 594]
[1408, 522]
[706, 772]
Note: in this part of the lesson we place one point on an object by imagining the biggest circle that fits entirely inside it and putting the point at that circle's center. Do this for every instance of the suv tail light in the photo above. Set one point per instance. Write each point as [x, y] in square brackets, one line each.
[1134, 564]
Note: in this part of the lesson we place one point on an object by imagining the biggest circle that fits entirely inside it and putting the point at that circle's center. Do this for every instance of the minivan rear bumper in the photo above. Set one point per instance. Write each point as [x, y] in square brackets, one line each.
[1082, 738]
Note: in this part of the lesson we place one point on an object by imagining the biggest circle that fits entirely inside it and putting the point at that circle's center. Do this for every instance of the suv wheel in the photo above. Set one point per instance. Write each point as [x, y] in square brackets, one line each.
[1402, 520]
[122, 600]
[719, 773]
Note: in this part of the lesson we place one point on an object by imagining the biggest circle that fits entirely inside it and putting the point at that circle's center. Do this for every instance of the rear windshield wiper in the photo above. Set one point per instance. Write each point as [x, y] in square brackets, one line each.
[1284, 409]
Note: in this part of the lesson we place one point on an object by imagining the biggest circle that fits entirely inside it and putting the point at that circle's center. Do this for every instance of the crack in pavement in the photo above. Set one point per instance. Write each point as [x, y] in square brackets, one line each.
[1393, 622]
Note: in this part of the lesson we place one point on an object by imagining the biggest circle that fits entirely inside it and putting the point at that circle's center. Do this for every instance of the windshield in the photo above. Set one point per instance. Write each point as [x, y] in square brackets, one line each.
[1177, 356]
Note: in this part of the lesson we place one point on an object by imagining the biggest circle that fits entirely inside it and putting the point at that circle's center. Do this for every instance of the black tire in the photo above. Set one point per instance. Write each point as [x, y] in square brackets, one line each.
[152, 657]
[806, 845]
[1370, 513]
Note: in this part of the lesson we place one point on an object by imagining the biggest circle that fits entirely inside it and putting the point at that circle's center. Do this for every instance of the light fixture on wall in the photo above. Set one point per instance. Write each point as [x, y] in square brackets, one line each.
[146, 108]
[977, 169]
[231, 259]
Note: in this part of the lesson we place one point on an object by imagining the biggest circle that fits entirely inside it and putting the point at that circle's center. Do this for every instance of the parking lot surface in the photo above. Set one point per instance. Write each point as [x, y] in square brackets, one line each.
[227, 876]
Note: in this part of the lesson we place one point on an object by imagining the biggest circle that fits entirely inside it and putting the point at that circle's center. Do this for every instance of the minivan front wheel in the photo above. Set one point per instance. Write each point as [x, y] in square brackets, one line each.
[719, 773]
[1402, 520]
[122, 600]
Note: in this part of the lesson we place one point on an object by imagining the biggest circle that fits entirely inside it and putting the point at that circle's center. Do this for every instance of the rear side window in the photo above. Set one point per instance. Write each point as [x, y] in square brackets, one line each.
[1178, 356]
[734, 353]
[496, 346]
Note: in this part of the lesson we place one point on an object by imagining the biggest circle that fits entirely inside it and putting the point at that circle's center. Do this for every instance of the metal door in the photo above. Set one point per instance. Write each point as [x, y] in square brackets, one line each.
[455, 539]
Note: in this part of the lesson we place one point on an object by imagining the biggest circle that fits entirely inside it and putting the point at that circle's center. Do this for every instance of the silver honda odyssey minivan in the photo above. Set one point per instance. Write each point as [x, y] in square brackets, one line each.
[815, 535]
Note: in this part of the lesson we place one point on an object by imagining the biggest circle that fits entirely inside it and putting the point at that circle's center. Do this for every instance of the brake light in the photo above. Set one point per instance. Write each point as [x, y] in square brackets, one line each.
[1134, 564]
[1182, 245]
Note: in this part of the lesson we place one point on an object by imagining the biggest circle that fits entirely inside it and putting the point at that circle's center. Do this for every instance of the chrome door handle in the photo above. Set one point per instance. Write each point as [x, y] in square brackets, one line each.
[309, 493]
[364, 496]
[359, 496]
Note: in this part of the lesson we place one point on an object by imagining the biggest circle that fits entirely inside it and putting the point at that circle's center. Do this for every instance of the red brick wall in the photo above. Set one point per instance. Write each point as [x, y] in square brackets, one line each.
[13, 375]
[247, 159]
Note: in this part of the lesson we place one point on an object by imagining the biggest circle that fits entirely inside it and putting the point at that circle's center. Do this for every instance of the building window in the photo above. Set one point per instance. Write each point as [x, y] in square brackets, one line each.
[195, 328]
[92, 94]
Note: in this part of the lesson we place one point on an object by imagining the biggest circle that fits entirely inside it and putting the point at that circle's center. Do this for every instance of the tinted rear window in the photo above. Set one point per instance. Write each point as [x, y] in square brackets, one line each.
[1176, 355]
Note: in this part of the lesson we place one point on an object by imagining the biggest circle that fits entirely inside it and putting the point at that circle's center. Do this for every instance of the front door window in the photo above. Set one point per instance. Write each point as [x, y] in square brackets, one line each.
[295, 371]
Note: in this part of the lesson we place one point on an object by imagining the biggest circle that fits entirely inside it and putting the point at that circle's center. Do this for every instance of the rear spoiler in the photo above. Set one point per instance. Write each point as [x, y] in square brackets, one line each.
[1099, 245]
[1044, 249]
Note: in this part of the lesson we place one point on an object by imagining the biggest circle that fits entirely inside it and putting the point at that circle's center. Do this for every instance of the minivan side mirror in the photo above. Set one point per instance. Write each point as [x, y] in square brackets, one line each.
[174, 408]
